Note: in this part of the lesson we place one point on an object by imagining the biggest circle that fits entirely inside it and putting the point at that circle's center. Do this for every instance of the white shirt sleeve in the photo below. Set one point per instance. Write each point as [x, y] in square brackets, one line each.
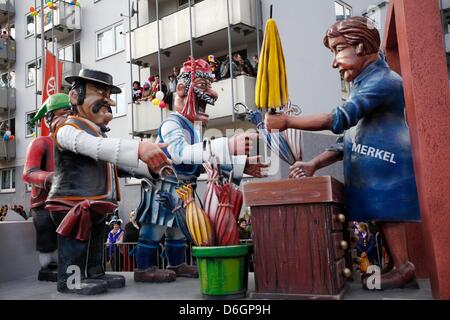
[183, 152]
[122, 152]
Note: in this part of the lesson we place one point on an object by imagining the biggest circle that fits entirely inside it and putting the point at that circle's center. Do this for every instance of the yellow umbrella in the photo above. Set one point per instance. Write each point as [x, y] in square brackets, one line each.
[271, 83]
[197, 221]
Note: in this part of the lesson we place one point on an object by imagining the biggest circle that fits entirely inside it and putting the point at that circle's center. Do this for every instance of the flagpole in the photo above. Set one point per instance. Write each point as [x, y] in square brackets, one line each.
[35, 63]
[55, 89]
[42, 48]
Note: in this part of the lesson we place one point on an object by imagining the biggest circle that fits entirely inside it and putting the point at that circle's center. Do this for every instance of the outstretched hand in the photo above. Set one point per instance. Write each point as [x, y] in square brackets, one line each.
[255, 168]
[276, 121]
[153, 156]
[302, 169]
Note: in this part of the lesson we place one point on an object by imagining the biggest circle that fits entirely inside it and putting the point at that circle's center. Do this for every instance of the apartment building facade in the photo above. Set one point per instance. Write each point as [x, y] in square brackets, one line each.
[163, 34]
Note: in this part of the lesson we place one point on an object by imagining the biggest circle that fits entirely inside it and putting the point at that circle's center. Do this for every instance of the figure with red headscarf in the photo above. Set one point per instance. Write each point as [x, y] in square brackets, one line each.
[182, 132]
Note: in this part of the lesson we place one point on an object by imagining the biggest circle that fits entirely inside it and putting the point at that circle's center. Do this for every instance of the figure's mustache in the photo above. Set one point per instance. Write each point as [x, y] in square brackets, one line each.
[100, 104]
[204, 96]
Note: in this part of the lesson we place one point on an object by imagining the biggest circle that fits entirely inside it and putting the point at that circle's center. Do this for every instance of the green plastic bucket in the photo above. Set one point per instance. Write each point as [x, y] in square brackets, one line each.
[223, 271]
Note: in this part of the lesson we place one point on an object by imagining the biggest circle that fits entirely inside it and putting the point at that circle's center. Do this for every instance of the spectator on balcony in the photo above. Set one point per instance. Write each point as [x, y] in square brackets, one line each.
[246, 66]
[175, 71]
[225, 68]
[137, 91]
[256, 62]
[157, 86]
[146, 92]
[172, 89]
[215, 66]
[172, 83]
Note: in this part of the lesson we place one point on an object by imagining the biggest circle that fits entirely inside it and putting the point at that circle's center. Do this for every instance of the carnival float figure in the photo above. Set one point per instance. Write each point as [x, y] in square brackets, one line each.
[38, 172]
[85, 186]
[182, 132]
[376, 152]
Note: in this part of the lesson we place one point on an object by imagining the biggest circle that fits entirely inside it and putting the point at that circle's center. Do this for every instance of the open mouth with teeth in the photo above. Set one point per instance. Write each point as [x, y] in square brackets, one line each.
[201, 108]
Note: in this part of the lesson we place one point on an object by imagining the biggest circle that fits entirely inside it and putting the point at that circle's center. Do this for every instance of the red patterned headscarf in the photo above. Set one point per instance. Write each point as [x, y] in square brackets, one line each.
[191, 70]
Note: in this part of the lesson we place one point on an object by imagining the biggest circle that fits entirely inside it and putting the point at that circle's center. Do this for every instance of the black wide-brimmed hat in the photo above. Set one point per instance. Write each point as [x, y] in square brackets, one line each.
[95, 76]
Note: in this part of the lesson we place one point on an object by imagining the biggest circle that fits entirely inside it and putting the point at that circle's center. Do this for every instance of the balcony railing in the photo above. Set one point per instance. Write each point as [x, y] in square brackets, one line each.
[147, 118]
[208, 16]
[7, 52]
[63, 20]
[7, 150]
[7, 99]
[244, 92]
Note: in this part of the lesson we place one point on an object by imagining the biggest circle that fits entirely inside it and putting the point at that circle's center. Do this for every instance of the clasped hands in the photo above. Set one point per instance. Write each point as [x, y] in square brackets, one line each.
[242, 144]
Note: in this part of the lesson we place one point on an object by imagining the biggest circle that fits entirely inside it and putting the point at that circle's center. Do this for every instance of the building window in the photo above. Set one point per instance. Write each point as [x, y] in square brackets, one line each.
[342, 10]
[70, 52]
[30, 131]
[32, 69]
[8, 180]
[29, 28]
[8, 79]
[121, 104]
[110, 41]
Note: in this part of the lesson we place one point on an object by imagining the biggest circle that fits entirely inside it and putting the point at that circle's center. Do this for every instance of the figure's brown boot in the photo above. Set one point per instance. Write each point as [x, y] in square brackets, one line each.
[402, 277]
[153, 274]
[185, 270]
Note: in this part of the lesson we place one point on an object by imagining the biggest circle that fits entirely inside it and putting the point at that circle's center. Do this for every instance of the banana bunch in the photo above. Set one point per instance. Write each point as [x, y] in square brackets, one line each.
[197, 221]
[271, 89]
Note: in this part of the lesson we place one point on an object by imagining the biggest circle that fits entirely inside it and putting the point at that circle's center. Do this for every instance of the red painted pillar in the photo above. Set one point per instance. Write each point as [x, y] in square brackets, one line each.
[415, 46]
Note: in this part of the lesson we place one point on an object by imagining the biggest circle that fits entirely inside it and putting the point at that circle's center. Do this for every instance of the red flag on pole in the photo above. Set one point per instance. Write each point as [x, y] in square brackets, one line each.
[49, 85]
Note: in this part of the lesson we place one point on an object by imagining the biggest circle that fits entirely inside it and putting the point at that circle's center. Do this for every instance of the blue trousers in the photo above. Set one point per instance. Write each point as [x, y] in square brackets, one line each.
[147, 248]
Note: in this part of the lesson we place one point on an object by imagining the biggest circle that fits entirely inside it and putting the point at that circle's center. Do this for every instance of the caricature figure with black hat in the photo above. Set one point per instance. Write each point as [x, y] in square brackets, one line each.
[85, 186]
[38, 172]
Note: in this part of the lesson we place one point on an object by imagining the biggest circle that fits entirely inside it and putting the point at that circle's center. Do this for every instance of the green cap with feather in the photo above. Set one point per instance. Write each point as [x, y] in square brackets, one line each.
[53, 103]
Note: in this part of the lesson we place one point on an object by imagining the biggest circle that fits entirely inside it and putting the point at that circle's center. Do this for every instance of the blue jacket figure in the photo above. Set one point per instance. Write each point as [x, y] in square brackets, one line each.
[376, 149]
[182, 131]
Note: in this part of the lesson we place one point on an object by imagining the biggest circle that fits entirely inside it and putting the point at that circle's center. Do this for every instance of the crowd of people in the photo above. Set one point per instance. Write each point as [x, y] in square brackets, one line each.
[219, 67]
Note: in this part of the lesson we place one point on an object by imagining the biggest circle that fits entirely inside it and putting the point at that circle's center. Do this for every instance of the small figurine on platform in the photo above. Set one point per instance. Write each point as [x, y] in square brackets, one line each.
[378, 168]
[38, 172]
[85, 186]
[182, 131]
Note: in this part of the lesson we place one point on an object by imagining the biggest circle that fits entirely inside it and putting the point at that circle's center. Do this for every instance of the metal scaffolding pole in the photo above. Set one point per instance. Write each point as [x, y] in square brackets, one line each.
[257, 12]
[230, 61]
[159, 53]
[131, 68]
[191, 46]
[55, 89]
[42, 47]
[8, 84]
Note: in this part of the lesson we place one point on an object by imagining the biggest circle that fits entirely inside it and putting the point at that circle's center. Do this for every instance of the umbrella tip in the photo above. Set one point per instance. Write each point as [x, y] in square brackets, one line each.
[271, 10]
